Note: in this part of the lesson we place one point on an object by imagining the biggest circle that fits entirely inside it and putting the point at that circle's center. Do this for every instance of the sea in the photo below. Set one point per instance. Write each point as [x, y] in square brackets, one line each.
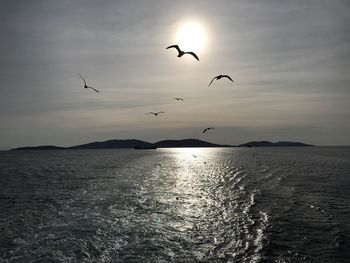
[279, 204]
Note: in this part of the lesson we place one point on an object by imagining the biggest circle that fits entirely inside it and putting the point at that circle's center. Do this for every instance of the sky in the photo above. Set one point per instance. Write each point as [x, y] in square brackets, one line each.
[290, 61]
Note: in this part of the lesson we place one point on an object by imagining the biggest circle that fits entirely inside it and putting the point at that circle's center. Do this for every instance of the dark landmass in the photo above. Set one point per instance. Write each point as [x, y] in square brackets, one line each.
[292, 144]
[114, 144]
[271, 144]
[138, 144]
[187, 143]
[46, 147]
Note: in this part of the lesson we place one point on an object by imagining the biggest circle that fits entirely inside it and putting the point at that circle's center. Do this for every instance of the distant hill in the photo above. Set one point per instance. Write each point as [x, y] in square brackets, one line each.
[186, 143]
[271, 144]
[132, 143]
[113, 144]
[292, 144]
[46, 147]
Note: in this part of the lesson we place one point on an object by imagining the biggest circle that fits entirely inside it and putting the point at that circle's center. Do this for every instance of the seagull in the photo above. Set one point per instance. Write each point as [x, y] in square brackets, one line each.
[207, 129]
[219, 77]
[181, 53]
[86, 86]
[156, 113]
[178, 99]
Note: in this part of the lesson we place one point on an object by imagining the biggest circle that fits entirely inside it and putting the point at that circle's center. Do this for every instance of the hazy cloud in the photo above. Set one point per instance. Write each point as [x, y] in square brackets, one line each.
[290, 60]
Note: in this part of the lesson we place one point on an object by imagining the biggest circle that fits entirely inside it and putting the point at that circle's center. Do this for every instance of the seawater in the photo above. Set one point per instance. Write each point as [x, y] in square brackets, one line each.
[176, 205]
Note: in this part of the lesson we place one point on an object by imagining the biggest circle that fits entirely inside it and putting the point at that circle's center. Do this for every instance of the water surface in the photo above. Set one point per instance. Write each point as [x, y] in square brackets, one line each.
[176, 205]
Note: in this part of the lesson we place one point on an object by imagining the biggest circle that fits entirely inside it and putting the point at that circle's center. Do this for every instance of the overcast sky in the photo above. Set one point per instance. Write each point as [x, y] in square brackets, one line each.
[290, 61]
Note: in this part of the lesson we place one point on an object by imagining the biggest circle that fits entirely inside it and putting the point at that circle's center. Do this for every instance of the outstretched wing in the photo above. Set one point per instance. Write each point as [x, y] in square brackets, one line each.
[227, 76]
[175, 46]
[207, 129]
[151, 113]
[212, 81]
[193, 54]
[82, 79]
[93, 89]
[161, 112]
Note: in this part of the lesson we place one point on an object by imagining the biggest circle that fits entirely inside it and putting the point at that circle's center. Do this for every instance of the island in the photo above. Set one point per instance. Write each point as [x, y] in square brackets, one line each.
[139, 144]
[271, 144]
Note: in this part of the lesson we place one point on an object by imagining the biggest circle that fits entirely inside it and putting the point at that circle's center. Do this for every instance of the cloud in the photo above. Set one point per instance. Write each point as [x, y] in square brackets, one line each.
[290, 61]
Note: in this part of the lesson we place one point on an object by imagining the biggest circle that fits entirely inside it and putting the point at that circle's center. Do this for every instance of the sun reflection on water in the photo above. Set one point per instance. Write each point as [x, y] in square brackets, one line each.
[204, 201]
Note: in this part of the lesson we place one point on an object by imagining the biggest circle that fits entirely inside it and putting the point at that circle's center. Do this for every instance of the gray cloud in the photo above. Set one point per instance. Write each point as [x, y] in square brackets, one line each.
[290, 60]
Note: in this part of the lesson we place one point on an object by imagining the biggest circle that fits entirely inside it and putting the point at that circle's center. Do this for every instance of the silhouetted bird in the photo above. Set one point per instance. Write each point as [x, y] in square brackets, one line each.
[156, 113]
[207, 129]
[181, 53]
[219, 77]
[195, 156]
[86, 86]
[178, 99]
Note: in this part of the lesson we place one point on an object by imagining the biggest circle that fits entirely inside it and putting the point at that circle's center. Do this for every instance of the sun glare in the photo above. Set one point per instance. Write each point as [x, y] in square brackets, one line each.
[191, 37]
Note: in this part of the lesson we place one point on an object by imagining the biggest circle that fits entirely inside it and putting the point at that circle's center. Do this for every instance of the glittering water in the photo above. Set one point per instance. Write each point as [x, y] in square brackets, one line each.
[176, 205]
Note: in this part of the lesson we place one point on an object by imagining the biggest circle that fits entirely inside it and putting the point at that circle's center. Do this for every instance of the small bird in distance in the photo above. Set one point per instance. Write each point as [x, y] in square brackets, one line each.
[178, 99]
[208, 129]
[155, 113]
[219, 77]
[86, 86]
[181, 53]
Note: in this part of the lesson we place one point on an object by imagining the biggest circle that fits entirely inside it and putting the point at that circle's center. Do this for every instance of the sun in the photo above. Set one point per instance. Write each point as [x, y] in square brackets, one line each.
[191, 37]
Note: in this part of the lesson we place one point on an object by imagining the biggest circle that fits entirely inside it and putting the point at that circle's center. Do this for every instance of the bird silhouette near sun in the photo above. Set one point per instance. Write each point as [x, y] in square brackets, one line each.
[219, 77]
[181, 53]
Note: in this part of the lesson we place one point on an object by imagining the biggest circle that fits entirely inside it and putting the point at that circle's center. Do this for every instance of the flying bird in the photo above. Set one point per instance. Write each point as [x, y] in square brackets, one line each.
[219, 77]
[207, 129]
[178, 99]
[181, 53]
[156, 113]
[86, 86]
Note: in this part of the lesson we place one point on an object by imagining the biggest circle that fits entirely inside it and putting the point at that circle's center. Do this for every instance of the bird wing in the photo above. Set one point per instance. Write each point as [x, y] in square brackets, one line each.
[151, 113]
[174, 46]
[207, 129]
[227, 76]
[93, 89]
[161, 112]
[193, 54]
[212, 81]
[82, 78]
